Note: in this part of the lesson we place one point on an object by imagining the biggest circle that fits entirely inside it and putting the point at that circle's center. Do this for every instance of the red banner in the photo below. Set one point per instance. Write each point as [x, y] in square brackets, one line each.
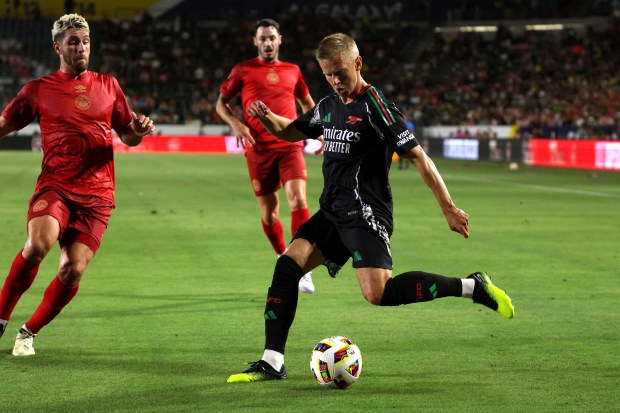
[566, 153]
[182, 144]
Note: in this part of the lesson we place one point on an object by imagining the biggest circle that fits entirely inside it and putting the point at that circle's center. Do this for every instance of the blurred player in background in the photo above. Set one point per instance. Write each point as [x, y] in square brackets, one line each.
[271, 161]
[362, 129]
[74, 196]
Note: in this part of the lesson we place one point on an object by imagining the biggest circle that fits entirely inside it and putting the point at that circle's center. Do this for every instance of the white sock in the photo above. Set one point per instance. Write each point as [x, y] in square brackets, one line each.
[275, 359]
[468, 287]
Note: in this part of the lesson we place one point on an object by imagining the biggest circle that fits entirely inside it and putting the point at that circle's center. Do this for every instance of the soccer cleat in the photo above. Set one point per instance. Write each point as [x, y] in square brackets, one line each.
[487, 294]
[332, 268]
[3, 324]
[258, 371]
[305, 284]
[23, 342]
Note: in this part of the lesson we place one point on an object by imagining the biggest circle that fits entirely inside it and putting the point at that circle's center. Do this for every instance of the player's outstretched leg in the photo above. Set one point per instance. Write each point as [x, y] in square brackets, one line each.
[258, 371]
[487, 294]
[23, 342]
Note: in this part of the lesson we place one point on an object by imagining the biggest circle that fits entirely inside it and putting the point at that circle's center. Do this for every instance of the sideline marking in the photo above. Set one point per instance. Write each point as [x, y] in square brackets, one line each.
[533, 186]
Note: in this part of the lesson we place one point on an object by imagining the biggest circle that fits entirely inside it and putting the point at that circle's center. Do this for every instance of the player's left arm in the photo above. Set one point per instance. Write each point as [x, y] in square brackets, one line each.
[279, 126]
[306, 103]
[138, 128]
[458, 220]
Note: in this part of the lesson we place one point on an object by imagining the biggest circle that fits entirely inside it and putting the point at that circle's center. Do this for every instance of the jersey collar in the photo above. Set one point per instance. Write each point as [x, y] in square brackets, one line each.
[353, 99]
[68, 76]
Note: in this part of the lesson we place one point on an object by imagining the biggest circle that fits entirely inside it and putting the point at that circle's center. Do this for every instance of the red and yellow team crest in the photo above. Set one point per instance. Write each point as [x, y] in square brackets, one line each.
[272, 76]
[40, 205]
[256, 185]
[82, 102]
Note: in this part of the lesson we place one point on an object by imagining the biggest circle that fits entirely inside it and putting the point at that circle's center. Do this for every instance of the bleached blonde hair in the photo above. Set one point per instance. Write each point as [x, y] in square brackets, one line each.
[66, 22]
[337, 44]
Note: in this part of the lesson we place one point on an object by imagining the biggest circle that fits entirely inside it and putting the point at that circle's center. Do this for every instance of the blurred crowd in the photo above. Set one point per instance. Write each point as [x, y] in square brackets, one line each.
[557, 84]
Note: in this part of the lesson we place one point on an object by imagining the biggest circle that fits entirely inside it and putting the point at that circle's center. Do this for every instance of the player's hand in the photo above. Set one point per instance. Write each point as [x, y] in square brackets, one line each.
[141, 125]
[258, 110]
[458, 220]
[244, 137]
[320, 150]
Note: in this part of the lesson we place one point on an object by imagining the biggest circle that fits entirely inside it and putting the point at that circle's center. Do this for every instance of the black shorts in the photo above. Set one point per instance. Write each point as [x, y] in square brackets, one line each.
[368, 243]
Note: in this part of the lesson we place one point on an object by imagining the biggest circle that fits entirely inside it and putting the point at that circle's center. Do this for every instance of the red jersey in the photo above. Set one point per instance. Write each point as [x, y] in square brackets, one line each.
[277, 84]
[76, 117]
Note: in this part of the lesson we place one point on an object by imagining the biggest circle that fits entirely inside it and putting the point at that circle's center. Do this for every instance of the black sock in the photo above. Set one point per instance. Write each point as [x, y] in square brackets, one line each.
[418, 286]
[281, 303]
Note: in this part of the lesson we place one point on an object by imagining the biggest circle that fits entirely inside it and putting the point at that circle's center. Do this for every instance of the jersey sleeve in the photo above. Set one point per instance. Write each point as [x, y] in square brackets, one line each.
[301, 88]
[232, 85]
[22, 110]
[121, 114]
[309, 123]
[391, 123]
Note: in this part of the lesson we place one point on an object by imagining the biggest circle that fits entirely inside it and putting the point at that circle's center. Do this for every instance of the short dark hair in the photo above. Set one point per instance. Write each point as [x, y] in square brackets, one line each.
[266, 23]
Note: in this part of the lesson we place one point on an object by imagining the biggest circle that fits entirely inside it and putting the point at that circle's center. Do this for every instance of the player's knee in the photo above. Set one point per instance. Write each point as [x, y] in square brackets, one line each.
[71, 271]
[373, 295]
[297, 202]
[270, 217]
[36, 249]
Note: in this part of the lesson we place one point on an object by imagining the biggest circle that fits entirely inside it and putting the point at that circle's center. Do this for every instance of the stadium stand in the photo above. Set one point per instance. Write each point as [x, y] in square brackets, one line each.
[562, 83]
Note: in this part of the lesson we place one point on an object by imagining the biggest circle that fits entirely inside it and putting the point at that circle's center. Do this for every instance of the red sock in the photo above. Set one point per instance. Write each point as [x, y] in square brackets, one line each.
[56, 297]
[20, 278]
[275, 233]
[297, 218]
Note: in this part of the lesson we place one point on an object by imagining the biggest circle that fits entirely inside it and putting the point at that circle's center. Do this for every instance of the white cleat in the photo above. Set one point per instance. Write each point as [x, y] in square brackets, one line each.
[305, 284]
[23, 343]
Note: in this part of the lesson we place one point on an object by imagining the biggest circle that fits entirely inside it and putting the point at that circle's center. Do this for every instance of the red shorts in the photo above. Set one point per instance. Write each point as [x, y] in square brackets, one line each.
[81, 224]
[270, 167]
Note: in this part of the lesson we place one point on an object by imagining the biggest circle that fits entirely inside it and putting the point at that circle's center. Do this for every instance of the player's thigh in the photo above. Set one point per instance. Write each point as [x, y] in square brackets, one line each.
[291, 164]
[369, 246]
[48, 216]
[263, 171]
[86, 226]
[323, 235]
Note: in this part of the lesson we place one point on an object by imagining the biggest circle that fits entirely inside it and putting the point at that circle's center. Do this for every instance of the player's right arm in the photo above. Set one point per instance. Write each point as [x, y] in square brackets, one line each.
[279, 126]
[240, 130]
[5, 127]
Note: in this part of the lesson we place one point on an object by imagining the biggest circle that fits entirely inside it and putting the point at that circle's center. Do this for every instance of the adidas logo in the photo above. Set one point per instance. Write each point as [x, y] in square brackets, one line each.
[327, 118]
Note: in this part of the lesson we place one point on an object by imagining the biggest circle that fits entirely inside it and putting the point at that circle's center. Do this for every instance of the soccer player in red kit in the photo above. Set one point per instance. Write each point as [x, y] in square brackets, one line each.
[271, 161]
[74, 195]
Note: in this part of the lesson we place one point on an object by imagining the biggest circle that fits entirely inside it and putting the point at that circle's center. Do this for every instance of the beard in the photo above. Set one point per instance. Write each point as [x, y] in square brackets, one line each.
[273, 54]
[78, 64]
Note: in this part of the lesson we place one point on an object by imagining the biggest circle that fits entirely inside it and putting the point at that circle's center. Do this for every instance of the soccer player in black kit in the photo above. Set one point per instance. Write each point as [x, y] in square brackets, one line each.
[362, 130]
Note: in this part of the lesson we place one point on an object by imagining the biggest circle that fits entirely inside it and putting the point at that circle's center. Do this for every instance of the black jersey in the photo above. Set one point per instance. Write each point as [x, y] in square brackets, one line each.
[360, 139]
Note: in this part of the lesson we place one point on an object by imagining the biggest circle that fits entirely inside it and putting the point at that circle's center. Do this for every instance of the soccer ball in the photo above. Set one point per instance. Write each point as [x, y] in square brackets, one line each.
[336, 362]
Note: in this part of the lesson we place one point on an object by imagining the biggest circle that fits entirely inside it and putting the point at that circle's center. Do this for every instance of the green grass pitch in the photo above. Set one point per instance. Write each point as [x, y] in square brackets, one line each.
[172, 304]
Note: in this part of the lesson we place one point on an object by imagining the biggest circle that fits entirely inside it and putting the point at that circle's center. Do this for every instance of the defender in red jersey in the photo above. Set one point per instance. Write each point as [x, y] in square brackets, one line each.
[271, 161]
[74, 196]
